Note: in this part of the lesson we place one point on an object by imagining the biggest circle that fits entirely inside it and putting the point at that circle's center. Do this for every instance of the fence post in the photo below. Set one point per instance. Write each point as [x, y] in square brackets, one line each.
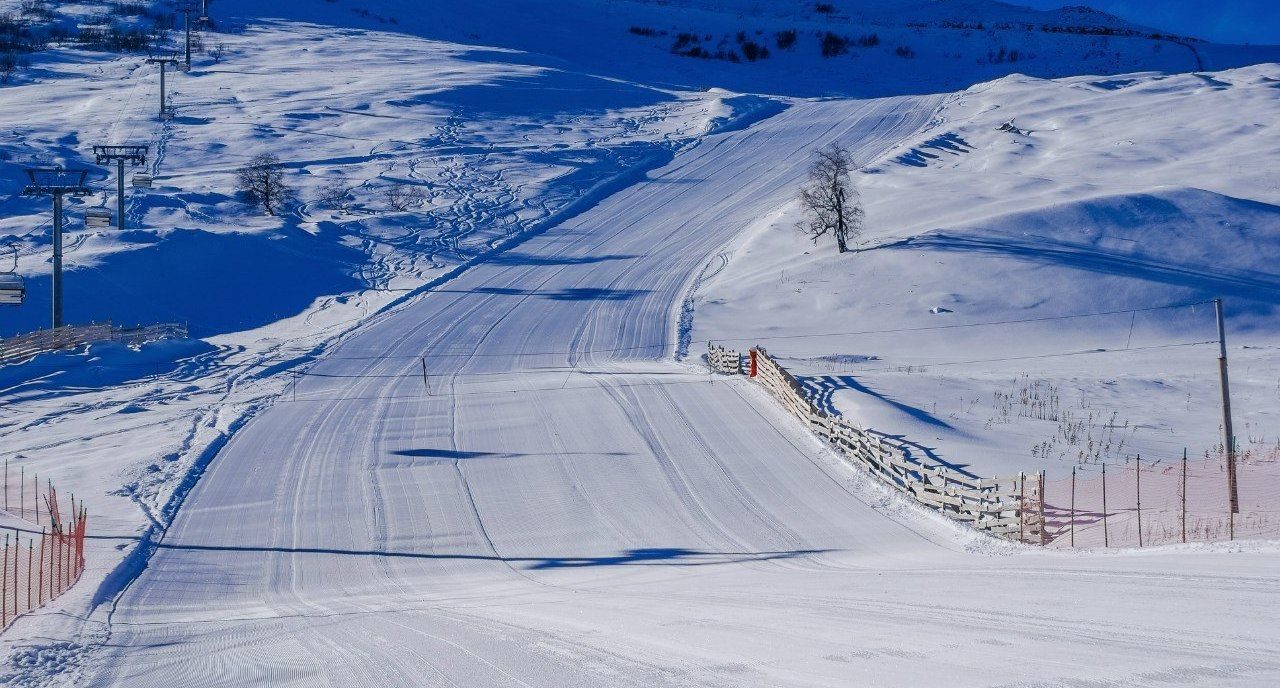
[753, 362]
[40, 571]
[1106, 539]
[4, 586]
[1073, 506]
[1137, 473]
[1022, 506]
[1184, 495]
[6, 484]
[1044, 530]
[31, 551]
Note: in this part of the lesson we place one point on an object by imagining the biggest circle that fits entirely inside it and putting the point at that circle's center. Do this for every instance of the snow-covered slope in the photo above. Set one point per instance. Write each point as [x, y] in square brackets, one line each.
[1109, 194]
[570, 497]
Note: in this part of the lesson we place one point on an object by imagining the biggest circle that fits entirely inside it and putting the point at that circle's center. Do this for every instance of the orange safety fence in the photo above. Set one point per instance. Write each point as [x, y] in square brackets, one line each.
[38, 566]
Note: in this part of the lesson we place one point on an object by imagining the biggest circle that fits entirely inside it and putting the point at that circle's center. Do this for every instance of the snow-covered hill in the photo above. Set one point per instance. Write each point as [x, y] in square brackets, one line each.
[1102, 195]
[519, 117]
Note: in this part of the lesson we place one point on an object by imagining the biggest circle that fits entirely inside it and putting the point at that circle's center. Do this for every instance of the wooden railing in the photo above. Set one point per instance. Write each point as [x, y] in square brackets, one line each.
[1007, 507]
[23, 347]
[722, 360]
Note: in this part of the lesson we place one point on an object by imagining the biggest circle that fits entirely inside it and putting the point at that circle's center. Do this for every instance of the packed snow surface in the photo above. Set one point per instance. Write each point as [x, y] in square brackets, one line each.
[467, 442]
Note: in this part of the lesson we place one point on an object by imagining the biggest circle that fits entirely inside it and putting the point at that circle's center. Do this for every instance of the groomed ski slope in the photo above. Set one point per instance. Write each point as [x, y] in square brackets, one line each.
[560, 504]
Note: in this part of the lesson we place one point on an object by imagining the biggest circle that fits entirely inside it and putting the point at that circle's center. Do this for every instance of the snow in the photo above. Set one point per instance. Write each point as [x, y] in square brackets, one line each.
[567, 498]
[1126, 193]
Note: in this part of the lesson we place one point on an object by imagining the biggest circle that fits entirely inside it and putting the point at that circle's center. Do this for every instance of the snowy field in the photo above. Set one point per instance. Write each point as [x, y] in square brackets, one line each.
[392, 470]
[1114, 194]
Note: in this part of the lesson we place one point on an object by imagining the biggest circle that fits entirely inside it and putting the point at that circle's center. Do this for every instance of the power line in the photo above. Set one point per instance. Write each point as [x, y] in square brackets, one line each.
[1064, 354]
[964, 325]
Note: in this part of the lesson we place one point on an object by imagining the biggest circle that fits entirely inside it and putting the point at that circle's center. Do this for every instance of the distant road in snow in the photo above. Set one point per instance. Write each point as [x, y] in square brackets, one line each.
[559, 504]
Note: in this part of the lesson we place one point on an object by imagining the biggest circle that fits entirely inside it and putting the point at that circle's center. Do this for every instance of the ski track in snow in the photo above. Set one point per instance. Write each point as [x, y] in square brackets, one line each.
[568, 506]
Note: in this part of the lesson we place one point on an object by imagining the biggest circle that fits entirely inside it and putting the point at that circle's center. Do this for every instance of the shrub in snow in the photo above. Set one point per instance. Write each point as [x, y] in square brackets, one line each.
[335, 194]
[904, 52]
[785, 40]
[754, 51]
[404, 197]
[10, 63]
[834, 44]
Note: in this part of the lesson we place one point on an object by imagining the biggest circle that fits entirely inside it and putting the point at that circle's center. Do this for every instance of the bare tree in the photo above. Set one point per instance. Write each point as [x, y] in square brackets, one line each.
[831, 203]
[262, 180]
[403, 197]
[218, 52]
[10, 63]
[336, 194]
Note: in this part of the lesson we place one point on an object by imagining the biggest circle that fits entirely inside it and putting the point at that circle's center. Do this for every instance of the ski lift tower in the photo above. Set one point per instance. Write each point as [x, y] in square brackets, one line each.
[136, 155]
[165, 112]
[204, 12]
[186, 7]
[57, 182]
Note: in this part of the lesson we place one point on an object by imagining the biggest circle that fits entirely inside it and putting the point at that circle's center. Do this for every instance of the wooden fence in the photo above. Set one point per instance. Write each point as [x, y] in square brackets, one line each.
[722, 360]
[23, 347]
[1008, 507]
[38, 566]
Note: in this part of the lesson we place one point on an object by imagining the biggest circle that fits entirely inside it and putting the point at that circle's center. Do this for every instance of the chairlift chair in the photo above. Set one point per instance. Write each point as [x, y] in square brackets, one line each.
[97, 217]
[12, 288]
[142, 180]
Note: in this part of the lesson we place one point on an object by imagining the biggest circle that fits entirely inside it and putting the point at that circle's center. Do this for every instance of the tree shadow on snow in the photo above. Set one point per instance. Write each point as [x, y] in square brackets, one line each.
[648, 556]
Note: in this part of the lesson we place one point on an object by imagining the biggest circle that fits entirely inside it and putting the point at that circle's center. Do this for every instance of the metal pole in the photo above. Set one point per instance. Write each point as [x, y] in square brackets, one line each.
[1184, 495]
[1137, 472]
[120, 193]
[1228, 435]
[162, 64]
[57, 260]
[186, 14]
[1073, 506]
[1106, 539]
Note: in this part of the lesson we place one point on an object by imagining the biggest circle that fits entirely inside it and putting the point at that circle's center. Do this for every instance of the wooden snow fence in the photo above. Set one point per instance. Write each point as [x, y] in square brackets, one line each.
[723, 360]
[23, 347]
[1007, 507]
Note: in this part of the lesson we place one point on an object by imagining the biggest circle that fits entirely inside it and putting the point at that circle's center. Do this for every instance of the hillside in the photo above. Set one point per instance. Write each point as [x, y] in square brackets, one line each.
[442, 419]
[1102, 195]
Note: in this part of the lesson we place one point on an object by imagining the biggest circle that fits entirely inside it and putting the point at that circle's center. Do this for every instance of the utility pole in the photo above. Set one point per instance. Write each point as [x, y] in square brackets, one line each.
[137, 155]
[204, 11]
[57, 182]
[1227, 434]
[163, 62]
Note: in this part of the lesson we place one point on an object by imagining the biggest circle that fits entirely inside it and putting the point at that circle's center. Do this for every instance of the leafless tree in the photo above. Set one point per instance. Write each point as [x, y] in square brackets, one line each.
[336, 194]
[831, 203]
[218, 52]
[404, 197]
[262, 180]
[9, 65]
